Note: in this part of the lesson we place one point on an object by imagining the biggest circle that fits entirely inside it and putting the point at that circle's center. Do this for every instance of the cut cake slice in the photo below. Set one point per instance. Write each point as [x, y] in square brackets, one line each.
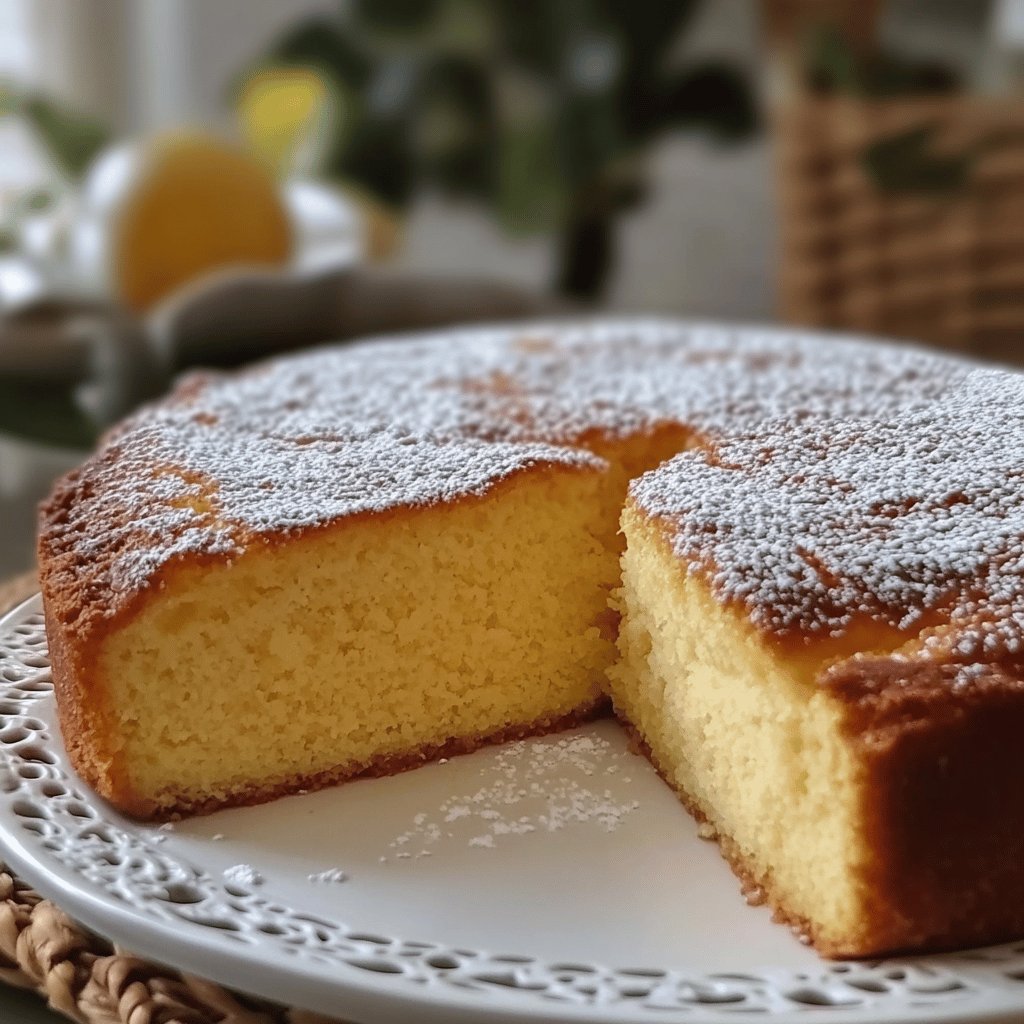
[818, 654]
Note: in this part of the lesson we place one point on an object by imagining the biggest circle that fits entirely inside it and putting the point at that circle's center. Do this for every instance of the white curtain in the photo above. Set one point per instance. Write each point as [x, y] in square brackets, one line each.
[21, 162]
[144, 64]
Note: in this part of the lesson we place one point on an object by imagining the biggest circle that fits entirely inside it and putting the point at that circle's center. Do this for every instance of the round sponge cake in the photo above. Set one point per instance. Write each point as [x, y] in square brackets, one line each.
[792, 563]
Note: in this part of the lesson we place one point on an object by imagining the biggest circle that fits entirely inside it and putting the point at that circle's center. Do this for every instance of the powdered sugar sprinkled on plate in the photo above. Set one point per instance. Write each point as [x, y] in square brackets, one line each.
[331, 876]
[244, 875]
[539, 785]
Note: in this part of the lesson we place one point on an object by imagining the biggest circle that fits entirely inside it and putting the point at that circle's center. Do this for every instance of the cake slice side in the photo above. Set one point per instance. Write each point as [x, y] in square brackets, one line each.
[750, 748]
[873, 811]
[363, 646]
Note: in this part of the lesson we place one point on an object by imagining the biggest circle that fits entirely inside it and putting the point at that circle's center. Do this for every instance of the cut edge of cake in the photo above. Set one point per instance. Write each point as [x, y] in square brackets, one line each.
[838, 778]
[450, 626]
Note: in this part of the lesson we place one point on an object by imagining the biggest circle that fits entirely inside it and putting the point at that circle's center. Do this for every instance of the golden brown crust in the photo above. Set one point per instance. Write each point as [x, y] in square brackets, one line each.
[71, 634]
[942, 802]
[76, 623]
[389, 764]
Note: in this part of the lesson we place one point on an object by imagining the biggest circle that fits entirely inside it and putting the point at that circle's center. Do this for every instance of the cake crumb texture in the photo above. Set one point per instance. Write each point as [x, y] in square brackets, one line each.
[358, 644]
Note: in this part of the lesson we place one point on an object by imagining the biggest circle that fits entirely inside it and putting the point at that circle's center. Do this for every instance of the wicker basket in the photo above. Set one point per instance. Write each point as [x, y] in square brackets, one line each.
[945, 269]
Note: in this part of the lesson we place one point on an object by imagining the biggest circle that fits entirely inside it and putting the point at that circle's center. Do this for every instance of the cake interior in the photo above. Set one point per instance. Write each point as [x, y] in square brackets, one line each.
[372, 644]
[737, 727]
[458, 621]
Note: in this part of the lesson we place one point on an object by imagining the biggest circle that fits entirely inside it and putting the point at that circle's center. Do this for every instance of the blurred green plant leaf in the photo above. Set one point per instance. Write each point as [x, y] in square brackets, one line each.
[647, 31]
[830, 61]
[466, 28]
[376, 151]
[9, 99]
[531, 190]
[533, 34]
[72, 139]
[710, 97]
[834, 66]
[462, 82]
[456, 139]
[588, 136]
[45, 415]
[321, 43]
[405, 17]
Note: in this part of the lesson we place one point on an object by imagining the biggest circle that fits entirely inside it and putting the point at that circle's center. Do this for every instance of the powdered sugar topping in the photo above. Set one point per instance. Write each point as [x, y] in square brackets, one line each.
[307, 440]
[913, 519]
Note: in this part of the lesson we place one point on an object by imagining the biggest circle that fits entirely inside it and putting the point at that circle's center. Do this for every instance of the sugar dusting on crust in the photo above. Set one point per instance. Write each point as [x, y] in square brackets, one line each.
[308, 440]
[811, 523]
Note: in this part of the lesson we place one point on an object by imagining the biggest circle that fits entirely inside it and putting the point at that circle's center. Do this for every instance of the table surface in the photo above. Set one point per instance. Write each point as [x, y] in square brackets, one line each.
[17, 1007]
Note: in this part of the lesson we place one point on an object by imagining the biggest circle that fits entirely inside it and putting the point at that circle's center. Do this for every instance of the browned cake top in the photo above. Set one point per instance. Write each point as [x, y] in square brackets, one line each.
[304, 441]
[916, 519]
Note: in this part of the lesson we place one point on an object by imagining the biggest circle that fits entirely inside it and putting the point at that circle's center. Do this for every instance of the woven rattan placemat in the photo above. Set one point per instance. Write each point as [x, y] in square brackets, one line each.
[88, 979]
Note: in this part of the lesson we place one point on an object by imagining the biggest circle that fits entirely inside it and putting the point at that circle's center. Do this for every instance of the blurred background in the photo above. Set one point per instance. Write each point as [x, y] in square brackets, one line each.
[206, 182]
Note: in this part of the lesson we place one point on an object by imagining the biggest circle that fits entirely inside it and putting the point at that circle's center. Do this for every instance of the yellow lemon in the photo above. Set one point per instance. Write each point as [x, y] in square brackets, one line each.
[159, 213]
[284, 116]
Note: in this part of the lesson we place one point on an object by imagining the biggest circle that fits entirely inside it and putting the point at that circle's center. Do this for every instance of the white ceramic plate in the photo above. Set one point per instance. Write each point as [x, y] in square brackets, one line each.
[554, 880]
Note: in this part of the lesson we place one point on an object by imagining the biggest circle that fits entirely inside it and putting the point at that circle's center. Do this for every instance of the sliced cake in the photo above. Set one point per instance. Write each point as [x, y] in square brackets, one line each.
[821, 653]
[352, 560]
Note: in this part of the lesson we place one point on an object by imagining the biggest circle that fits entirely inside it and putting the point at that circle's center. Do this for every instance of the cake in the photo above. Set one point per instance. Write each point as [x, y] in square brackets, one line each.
[821, 651]
[350, 561]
